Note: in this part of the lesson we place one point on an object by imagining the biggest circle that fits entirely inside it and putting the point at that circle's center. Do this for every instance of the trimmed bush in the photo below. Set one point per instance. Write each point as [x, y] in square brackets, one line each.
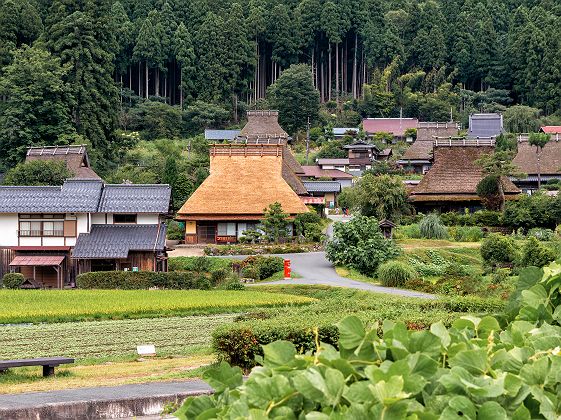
[396, 273]
[198, 264]
[260, 268]
[234, 285]
[536, 254]
[141, 280]
[431, 227]
[488, 218]
[498, 250]
[12, 280]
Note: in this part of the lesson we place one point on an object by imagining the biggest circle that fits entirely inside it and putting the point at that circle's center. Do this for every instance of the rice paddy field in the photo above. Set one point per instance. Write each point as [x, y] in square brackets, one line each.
[34, 306]
[110, 339]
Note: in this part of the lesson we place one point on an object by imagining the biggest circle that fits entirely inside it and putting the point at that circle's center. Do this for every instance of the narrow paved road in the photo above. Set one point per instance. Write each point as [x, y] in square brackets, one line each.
[316, 269]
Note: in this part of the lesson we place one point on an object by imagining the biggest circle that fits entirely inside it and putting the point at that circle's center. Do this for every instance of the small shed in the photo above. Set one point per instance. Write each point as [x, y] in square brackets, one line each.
[387, 227]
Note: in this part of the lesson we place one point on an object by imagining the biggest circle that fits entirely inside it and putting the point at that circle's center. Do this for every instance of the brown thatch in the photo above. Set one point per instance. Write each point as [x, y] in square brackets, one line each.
[429, 130]
[76, 158]
[454, 175]
[420, 150]
[263, 123]
[243, 181]
[550, 161]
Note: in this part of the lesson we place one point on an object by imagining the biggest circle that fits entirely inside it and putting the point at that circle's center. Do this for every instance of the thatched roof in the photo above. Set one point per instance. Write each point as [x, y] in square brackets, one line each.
[454, 175]
[420, 150]
[550, 161]
[76, 158]
[263, 123]
[243, 181]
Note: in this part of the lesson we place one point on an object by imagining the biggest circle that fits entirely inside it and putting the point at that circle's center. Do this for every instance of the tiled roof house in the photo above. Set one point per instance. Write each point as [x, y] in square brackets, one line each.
[394, 126]
[485, 125]
[451, 183]
[53, 233]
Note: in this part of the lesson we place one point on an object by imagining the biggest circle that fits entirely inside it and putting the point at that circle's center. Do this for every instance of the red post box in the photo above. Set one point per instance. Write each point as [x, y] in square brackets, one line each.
[287, 269]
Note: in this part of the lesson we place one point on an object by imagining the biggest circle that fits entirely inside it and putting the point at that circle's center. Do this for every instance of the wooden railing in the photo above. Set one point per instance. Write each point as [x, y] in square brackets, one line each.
[460, 141]
[246, 150]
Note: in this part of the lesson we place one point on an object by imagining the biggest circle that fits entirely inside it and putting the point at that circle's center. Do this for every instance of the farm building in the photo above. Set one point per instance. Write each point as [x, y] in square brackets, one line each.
[451, 183]
[397, 127]
[53, 233]
[485, 126]
[526, 160]
[76, 158]
[418, 157]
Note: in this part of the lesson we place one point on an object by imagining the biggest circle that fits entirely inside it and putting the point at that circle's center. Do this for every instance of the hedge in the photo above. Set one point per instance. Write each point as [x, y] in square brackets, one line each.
[12, 280]
[238, 343]
[142, 280]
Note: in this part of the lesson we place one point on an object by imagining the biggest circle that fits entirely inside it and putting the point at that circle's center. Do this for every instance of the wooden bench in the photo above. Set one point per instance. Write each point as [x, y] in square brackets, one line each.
[48, 363]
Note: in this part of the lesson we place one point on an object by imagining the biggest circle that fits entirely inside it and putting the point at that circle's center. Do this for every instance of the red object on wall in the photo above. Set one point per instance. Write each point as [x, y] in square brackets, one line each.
[287, 269]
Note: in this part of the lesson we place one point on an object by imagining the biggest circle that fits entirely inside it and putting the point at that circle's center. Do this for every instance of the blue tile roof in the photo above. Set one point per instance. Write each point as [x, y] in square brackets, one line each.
[116, 241]
[85, 196]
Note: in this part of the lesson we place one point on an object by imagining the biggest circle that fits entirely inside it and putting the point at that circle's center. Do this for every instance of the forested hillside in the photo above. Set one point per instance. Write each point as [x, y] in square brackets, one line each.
[90, 70]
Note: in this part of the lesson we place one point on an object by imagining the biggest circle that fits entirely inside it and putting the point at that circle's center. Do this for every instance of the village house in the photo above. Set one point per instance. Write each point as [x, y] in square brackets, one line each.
[340, 132]
[214, 136]
[326, 190]
[53, 233]
[246, 176]
[418, 157]
[551, 129]
[361, 155]
[75, 156]
[315, 173]
[397, 127]
[451, 183]
[526, 160]
[485, 126]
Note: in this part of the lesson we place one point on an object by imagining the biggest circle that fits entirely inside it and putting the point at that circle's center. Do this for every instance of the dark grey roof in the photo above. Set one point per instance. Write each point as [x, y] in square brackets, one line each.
[74, 196]
[85, 196]
[322, 186]
[115, 241]
[361, 145]
[221, 134]
[131, 198]
[485, 125]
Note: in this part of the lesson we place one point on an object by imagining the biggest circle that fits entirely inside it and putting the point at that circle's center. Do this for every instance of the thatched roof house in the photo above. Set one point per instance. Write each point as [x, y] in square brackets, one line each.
[76, 158]
[246, 176]
[451, 183]
[527, 161]
[418, 157]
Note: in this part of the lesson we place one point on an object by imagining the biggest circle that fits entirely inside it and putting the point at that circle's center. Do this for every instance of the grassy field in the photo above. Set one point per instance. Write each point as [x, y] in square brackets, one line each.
[435, 243]
[110, 339]
[29, 306]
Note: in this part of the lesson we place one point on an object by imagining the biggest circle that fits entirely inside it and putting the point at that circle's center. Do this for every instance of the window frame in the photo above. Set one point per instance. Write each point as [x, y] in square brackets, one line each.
[124, 215]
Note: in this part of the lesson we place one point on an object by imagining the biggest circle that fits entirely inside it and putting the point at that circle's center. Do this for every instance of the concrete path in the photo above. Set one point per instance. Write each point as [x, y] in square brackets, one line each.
[316, 269]
[122, 401]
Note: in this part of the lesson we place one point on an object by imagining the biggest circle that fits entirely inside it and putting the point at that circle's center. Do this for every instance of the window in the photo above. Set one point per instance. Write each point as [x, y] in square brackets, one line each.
[53, 228]
[124, 218]
[226, 229]
[30, 228]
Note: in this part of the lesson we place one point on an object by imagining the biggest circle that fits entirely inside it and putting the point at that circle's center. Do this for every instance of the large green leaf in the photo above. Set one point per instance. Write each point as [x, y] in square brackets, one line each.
[491, 410]
[474, 361]
[442, 333]
[223, 377]
[424, 342]
[278, 353]
[351, 332]
[459, 408]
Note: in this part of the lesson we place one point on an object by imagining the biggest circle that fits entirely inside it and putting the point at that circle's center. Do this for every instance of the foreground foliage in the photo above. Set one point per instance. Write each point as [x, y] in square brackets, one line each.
[73, 305]
[480, 368]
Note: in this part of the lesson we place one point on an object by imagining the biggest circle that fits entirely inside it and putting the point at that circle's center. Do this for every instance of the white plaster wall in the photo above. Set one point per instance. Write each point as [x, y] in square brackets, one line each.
[8, 229]
[29, 242]
[53, 241]
[82, 223]
[147, 219]
[98, 219]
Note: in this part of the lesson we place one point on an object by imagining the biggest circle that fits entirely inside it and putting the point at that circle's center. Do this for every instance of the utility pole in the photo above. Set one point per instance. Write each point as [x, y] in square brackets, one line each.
[307, 140]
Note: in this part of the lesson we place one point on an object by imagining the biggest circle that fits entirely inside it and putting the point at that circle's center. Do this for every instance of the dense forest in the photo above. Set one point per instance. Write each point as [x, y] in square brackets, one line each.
[90, 70]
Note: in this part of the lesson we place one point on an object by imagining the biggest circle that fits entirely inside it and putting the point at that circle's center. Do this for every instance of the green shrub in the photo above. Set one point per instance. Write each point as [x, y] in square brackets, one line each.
[359, 244]
[501, 275]
[411, 231]
[176, 230]
[141, 280]
[465, 233]
[488, 218]
[251, 272]
[396, 273]
[12, 280]
[308, 226]
[234, 285]
[431, 227]
[199, 264]
[218, 276]
[259, 267]
[536, 254]
[498, 250]
[541, 234]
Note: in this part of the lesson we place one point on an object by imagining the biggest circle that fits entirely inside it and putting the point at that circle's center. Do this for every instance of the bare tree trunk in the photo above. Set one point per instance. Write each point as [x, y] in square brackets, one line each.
[539, 170]
[139, 80]
[337, 72]
[181, 89]
[354, 69]
[166, 88]
[329, 81]
[146, 78]
[157, 87]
